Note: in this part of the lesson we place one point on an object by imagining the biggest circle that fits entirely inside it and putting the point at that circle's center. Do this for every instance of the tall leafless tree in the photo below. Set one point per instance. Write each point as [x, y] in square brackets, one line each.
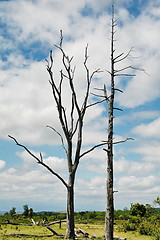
[114, 72]
[72, 125]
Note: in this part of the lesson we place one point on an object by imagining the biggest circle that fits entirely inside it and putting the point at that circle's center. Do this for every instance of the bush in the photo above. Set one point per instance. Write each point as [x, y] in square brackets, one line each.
[138, 210]
[121, 214]
[135, 219]
[126, 226]
[145, 229]
[131, 227]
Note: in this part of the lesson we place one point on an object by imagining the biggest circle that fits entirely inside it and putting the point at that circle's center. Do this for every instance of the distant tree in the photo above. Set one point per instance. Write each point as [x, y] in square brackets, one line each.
[138, 210]
[26, 210]
[6, 213]
[12, 211]
[30, 212]
[149, 210]
[157, 200]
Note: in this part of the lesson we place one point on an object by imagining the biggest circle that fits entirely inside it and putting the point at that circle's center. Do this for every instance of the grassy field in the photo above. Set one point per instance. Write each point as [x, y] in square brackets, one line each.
[92, 229]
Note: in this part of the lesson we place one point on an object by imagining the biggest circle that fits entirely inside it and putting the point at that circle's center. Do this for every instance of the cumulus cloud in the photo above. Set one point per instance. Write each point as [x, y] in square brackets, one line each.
[136, 116]
[133, 167]
[148, 130]
[133, 182]
[149, 151]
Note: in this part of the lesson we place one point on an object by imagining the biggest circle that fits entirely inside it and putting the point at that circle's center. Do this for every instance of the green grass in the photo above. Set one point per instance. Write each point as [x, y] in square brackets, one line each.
[92, 229]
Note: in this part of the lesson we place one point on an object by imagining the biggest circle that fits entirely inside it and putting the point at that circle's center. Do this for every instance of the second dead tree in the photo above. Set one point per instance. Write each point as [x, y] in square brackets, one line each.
[115, 59]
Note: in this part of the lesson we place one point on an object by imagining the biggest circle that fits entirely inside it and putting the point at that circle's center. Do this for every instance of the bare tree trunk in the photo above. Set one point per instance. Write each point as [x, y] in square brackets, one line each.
[70, 209]
[109, 219]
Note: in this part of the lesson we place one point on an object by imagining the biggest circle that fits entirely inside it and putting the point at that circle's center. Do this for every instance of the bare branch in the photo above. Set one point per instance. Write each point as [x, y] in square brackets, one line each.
[122, 141]
[40, 161]
[34, 156]
[61, 38]
[62, 141]
[97, 95]
[105, 93]
[109, 72]
[93, 104]
[117, 89]
[72, 112]
[75, 128]
[122, 69]
[91, 149]
[125, 74]
[127, 139]
[123, 58]
[118, 109]
[41, 157]
[118, 56]
[99, 89]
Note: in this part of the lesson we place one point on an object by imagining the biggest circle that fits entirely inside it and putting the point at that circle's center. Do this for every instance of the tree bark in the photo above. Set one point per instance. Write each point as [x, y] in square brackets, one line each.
[70, 234]
[110, 201]
[109, 219]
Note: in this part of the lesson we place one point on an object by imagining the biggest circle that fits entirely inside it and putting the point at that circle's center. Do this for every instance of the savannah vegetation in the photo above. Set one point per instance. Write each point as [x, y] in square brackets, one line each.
[140, 222]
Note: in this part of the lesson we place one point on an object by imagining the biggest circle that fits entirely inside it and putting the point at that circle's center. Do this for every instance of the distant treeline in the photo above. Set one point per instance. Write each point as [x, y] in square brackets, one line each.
[135, 210]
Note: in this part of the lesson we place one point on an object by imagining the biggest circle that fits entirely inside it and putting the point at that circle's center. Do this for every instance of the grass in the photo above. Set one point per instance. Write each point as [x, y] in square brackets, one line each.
[92, 229]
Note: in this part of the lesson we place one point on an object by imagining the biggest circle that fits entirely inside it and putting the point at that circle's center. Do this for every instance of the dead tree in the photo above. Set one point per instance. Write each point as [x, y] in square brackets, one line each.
[114, 72]
[72, 125]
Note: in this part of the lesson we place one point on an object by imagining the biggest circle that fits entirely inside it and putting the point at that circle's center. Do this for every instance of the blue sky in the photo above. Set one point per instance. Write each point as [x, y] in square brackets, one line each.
[28, 30]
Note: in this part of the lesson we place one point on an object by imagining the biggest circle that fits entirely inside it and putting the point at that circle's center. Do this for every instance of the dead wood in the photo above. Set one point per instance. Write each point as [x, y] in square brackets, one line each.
[52, 223]
[120, 238]
[12, 223]
[35, 223]
[54, 232]
[27, 235]
[81, 233]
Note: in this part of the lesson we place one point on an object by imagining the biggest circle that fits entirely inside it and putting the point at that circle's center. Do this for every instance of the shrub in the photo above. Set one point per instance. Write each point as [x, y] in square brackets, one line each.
[135, 219]
[138, 210]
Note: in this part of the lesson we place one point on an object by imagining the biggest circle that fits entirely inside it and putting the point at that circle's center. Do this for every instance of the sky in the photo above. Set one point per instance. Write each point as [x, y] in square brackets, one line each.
[29, 29]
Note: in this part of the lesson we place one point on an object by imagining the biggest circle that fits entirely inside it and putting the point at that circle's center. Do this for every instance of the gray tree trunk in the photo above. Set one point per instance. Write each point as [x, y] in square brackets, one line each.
[70, 234]
[109, 219]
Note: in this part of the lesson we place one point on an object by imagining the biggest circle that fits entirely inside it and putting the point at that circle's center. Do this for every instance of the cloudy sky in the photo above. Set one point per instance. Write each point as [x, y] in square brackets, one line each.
[28, 30]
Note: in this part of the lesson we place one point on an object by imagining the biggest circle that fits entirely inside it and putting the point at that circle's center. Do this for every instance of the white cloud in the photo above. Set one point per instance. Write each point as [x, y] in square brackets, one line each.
[91, 187]
[2, 164]
[133, 182]
[149, 151]
[133, 167]
[148, 130]
[58, 164]
[136, 116]
[142, 89]
[141, 33]
[26, 185]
